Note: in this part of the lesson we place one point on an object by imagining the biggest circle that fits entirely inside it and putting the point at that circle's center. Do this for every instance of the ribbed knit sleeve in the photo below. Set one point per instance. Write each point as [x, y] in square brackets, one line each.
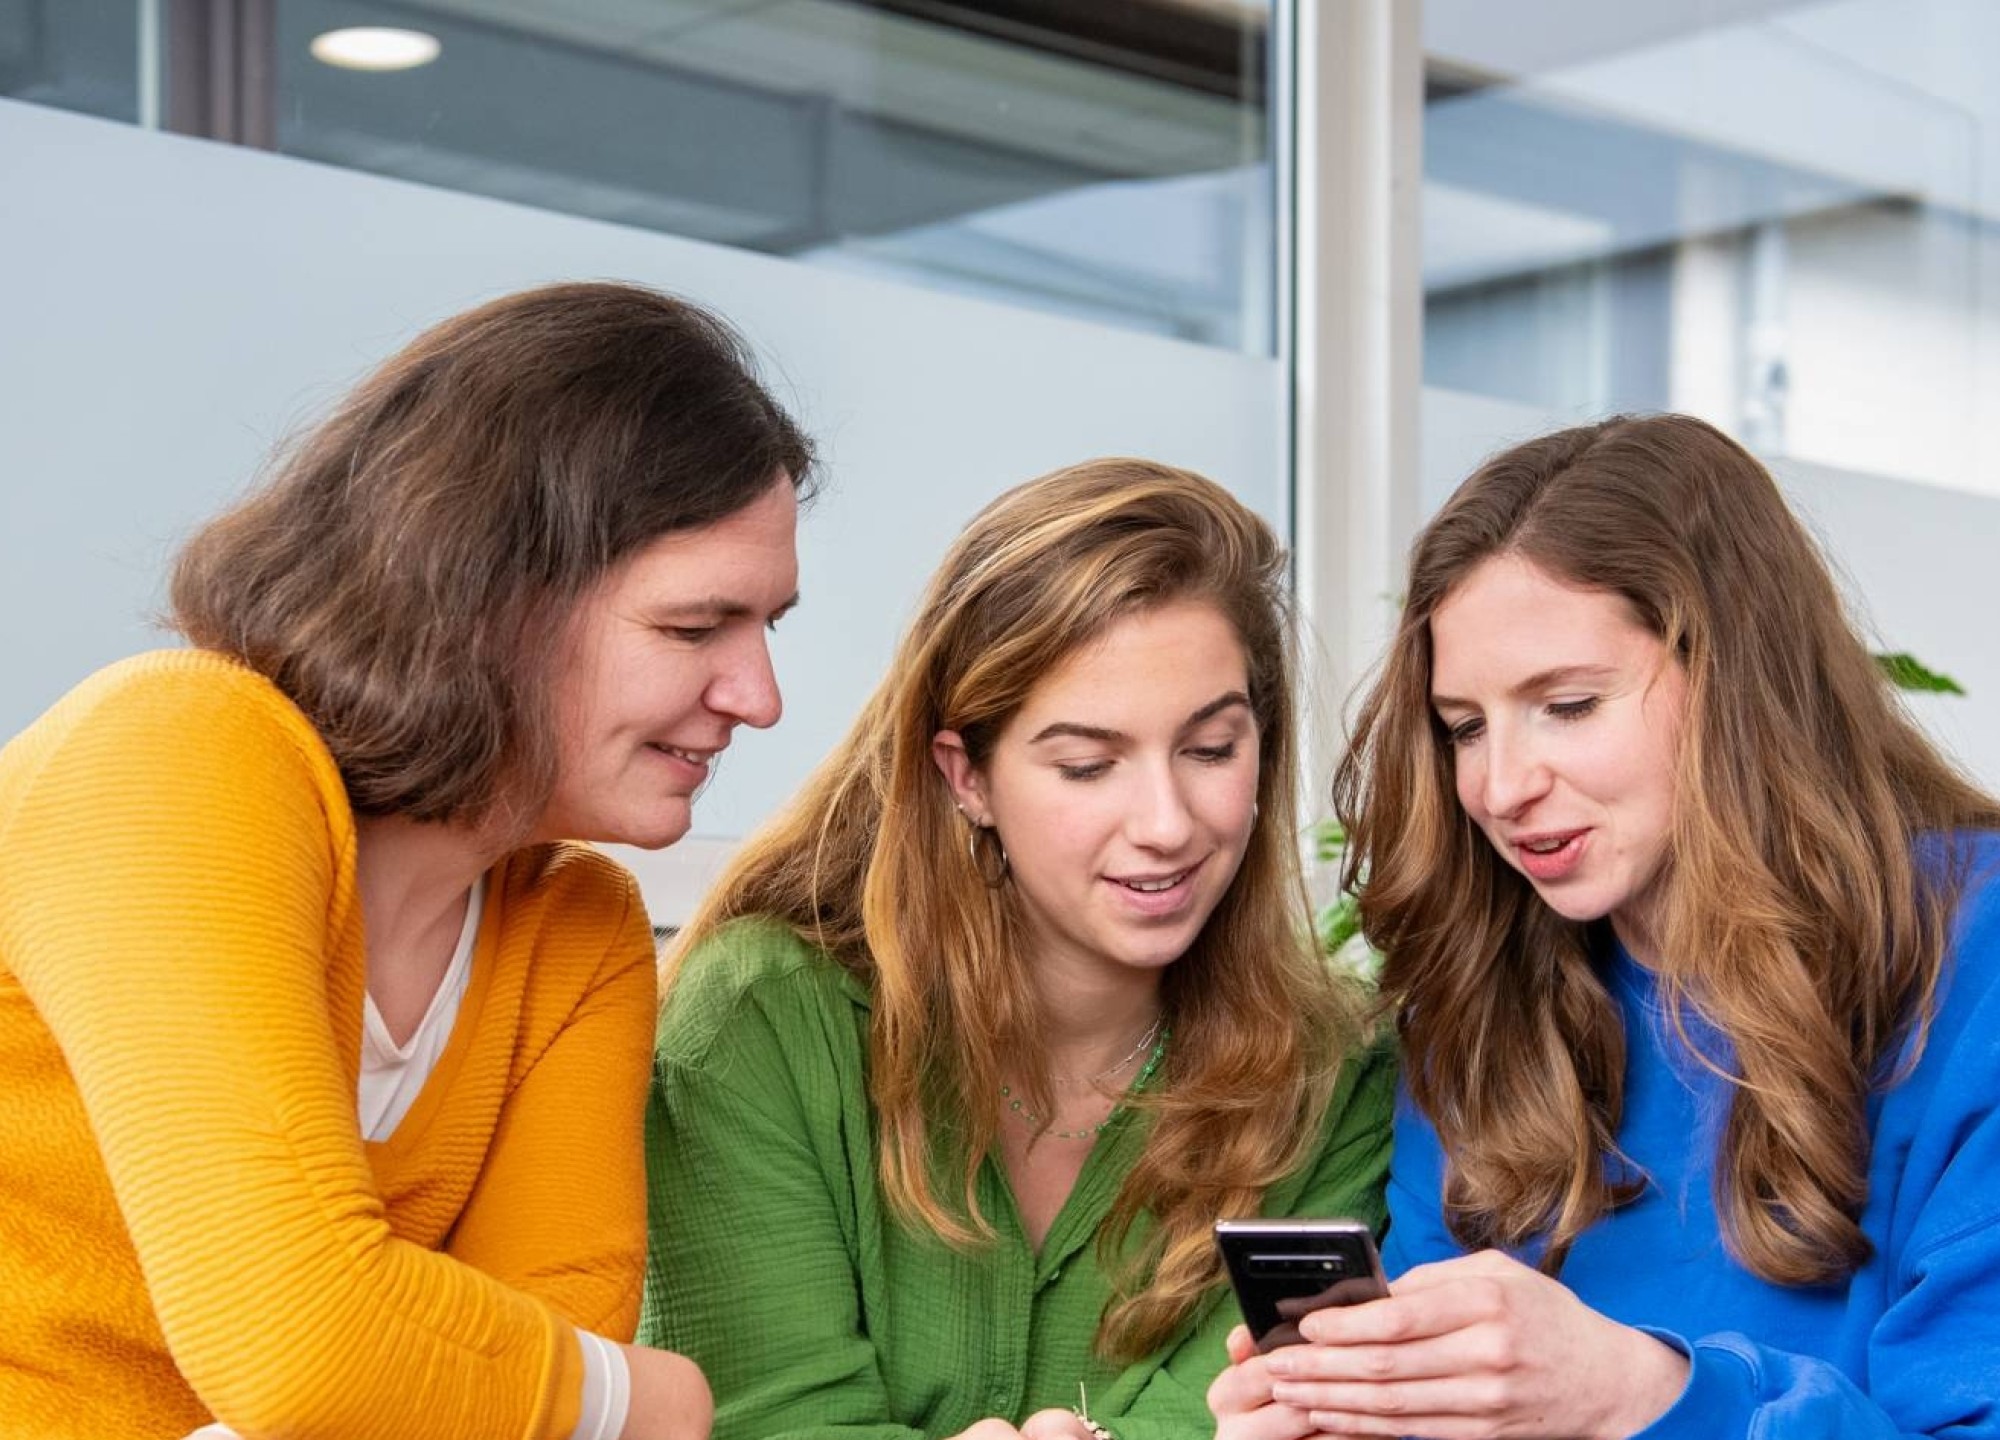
[559, 1207]
[178, 877]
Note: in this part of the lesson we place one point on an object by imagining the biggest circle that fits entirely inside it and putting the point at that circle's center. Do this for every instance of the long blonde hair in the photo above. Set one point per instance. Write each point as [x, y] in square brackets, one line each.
[869, 862]
[1799, 918]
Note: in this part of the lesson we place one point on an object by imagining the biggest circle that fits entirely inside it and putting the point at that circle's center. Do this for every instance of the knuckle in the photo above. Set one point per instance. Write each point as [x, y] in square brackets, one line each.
[1490, 1395]
[1500, 1349]
[1490, 1296]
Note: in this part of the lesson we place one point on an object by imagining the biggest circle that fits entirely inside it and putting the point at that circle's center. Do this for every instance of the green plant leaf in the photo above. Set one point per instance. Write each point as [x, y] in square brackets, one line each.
[1907, 672]
[1338, 922]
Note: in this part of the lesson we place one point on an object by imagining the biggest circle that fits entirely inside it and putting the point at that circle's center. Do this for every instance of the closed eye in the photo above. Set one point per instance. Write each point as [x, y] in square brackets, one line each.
[1465, 731]
[1214, 754]
[1086, 770]
[1572, 709]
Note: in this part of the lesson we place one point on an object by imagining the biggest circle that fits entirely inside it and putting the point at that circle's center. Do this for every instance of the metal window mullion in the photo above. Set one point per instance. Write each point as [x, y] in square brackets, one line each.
[220, 59]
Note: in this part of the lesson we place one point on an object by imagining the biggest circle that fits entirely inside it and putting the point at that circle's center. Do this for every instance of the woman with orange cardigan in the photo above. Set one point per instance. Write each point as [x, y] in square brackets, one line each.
[322, 1049]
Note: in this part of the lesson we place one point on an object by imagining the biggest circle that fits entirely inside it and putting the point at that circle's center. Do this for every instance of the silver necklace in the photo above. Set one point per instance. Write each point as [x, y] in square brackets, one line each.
[1152, 1034]
[1156, 1036]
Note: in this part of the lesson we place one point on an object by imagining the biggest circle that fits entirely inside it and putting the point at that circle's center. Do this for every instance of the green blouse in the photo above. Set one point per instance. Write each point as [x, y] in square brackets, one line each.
[776, 1263]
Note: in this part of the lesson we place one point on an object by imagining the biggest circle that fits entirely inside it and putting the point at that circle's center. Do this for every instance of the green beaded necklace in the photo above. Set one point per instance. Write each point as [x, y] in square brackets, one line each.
[1146, 1072]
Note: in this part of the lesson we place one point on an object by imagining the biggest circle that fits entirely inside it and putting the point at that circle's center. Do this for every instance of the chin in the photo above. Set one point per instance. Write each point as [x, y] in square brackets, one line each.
[1577, 909]
[650, 833]
[659, 839]
[1158, 957]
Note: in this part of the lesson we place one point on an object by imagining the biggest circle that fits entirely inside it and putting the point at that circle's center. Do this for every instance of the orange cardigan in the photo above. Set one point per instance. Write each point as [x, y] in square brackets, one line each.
[190, 1224]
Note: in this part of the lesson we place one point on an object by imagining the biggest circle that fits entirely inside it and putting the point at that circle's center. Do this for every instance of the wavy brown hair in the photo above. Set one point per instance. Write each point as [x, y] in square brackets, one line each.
[869, 863]
[406, 572]
[1799, 916]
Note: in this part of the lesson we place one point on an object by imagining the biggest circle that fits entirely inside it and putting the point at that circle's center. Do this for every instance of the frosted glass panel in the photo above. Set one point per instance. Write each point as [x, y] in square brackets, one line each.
[173, 307]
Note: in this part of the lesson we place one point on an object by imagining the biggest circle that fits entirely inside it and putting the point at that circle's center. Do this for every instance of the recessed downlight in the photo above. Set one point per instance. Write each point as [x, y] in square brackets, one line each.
[375, 47]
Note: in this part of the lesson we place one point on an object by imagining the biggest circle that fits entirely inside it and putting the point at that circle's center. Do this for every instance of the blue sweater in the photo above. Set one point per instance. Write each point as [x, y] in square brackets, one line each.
[1910, 1345]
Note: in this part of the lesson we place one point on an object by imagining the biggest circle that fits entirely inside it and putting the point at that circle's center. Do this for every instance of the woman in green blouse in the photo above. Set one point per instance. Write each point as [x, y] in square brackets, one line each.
[972, 1045]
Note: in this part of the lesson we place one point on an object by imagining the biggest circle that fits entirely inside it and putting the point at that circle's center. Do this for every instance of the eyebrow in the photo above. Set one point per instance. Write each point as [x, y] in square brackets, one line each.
[1539, 681]
[1228, 700]
[718, 607]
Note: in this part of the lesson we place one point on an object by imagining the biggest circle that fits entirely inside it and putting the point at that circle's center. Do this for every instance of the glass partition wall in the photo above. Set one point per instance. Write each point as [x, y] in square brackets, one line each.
[1105, 161]
[972, 240]
[1778, 214]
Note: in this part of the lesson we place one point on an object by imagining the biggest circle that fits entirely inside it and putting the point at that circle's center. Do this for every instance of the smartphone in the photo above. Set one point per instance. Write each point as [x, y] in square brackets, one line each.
[1283, 1270]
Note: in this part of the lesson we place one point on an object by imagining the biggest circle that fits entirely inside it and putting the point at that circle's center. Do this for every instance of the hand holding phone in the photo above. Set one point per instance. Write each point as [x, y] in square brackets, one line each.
[1283, 1270]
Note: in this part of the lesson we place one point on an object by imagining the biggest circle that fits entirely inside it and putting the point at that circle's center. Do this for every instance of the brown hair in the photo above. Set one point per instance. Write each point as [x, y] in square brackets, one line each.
[405, 574]
[869, 862]
[1801, 792]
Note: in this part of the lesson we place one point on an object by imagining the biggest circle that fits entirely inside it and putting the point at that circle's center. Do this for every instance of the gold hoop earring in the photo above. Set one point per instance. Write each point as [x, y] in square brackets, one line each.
[990, 869]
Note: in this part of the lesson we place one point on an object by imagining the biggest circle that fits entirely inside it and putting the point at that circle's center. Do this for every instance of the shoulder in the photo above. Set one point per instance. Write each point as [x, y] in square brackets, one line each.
[197, 699]
[1949, 1053]
[1368, 1075]
[1971, 978]
[174, 728]
[756, 972]
[1348, 1162]
[582, 908]
[1976, 924]
[1934, 1124]
[1363, 1105]
[578, 881]
[1970, 982]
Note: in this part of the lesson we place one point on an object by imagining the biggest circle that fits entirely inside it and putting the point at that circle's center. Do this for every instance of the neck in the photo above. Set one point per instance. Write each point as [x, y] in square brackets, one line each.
[1090, 1023]
[1637, 931]
[413, 877]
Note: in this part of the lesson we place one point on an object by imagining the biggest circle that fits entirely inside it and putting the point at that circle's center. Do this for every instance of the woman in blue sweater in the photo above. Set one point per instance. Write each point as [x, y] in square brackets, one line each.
[1693, 940]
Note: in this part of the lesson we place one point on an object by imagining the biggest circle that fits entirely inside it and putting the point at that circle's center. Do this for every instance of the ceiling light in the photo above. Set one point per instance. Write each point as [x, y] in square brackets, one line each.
[373, 47]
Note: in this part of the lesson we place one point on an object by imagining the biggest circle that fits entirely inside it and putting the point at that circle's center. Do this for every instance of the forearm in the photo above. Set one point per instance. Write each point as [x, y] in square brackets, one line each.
[669, 1398]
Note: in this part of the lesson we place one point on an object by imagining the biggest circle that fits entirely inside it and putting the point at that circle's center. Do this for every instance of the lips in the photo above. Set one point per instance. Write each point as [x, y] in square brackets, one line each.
[694, 763]
[1156, 894]
[693, 757]
[1550, 855]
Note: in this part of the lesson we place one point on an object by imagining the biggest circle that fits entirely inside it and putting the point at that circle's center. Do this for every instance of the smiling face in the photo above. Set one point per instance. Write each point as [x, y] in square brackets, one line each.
[668, 656]
[1124, 791]
[1565, 716]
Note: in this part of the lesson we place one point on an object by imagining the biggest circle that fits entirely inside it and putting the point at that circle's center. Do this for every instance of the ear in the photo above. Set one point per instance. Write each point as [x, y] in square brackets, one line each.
[968, 786]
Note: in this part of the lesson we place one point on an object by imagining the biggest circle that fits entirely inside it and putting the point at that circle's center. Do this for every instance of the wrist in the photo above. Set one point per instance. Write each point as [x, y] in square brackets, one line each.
[1652, 1375]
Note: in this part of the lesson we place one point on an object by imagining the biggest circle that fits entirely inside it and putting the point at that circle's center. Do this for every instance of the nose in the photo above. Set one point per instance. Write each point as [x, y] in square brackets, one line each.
[1514, 775]
[1160, 818]
[746, 687]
